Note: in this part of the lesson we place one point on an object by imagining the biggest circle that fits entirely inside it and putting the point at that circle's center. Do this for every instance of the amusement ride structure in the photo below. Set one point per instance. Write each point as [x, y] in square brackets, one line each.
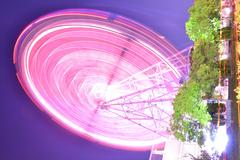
[102, 76]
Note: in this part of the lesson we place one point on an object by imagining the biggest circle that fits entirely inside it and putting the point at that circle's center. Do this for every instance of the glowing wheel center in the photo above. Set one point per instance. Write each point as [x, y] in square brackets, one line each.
[100, 75]
[98, 91]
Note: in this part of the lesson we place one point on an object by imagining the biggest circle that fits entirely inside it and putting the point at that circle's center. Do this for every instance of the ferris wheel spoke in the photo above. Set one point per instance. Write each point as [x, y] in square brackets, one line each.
[139, 124]
[143, 91]
[120, 58]
[137, 102]
[150, 69]
[154, 113]
[137, 112]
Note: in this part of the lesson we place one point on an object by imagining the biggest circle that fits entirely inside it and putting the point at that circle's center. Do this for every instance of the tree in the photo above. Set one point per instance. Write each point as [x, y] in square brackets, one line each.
[204, 53]
[204, 21]
[204, 68]
[205, 156]
[187, 129]
[190, 113]
[207, 78]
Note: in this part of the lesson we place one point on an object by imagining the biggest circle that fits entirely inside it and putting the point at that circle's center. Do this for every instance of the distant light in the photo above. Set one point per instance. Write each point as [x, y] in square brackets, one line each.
[208, 144]
[223, 57]
[218, 143]
[227, 11]
[221, 139]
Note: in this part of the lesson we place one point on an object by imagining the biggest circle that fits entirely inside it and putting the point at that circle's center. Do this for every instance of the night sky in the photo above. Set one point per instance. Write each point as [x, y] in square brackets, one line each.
[26, 133]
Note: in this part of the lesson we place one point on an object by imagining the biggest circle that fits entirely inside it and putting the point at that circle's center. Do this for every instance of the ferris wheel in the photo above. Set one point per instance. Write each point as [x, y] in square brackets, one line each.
[101, 76]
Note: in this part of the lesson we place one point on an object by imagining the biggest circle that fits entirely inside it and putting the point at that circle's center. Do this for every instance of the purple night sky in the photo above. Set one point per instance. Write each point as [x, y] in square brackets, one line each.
[26, 132]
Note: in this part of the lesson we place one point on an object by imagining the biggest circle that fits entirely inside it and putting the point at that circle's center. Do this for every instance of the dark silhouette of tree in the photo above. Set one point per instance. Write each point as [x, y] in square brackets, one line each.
[205, 156]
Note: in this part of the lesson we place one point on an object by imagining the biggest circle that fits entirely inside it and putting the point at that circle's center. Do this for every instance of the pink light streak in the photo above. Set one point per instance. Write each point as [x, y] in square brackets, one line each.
[71, 63]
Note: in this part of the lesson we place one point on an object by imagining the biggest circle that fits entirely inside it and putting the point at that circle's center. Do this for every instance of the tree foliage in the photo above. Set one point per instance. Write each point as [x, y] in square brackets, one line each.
[190, 113]
[204, 68]
[205, 156]
[187, 129]
[189, 102]
[204, 21]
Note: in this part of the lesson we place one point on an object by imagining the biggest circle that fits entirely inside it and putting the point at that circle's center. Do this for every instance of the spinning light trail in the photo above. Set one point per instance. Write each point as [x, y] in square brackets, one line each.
[101, 76]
